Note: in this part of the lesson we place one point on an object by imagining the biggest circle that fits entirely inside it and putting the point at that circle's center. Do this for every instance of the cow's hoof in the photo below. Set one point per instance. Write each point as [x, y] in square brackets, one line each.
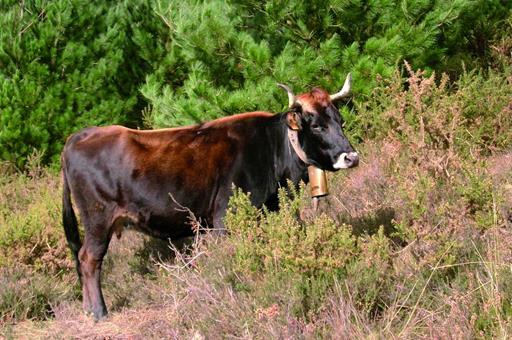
[99, 314]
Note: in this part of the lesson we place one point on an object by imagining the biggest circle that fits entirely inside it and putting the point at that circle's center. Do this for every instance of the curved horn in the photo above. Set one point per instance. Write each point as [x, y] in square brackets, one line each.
[291, 97]
[345, 91]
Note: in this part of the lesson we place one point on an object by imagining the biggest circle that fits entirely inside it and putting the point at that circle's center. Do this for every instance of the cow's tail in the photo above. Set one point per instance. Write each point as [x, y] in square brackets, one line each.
[69, 220]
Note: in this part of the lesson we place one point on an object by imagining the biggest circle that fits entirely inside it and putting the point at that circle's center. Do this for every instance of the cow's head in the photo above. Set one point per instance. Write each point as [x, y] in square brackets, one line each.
[320, 127]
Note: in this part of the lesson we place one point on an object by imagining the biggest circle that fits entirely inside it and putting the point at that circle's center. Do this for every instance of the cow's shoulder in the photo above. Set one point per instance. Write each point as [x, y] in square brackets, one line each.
[95, 135]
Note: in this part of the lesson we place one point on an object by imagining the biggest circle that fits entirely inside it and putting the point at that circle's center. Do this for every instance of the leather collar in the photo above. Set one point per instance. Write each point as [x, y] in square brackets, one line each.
[293, 137]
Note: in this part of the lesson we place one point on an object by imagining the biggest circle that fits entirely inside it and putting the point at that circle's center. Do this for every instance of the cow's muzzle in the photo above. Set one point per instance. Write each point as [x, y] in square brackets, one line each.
[347, 160]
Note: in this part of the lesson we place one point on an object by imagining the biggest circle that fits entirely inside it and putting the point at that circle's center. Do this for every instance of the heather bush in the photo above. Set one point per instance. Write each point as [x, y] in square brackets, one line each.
[30, 220]
[279, 242]
[29, 294]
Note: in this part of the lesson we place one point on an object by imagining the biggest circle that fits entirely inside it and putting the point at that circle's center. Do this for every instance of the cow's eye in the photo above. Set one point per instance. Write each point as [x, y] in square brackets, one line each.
[317, 127]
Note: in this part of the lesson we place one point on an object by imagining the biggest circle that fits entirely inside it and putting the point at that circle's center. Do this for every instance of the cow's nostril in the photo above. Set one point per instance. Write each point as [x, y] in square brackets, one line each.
[352, 159]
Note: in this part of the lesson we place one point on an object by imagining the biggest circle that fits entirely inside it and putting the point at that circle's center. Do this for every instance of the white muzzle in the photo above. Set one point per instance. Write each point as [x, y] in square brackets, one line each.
[347, 160]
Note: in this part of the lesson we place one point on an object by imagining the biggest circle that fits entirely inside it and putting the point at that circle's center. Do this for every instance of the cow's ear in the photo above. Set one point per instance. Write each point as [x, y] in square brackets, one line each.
[293, 120]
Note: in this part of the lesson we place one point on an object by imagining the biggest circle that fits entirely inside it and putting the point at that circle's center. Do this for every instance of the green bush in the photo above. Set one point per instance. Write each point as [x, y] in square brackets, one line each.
[279, 242]
[310, 255]
[65, 65]
[226, 57]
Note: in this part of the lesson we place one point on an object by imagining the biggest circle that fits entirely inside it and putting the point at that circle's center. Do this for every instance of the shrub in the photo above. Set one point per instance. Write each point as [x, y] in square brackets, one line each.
[30, 221]
[311, 254]
[279, 242]
[29, 294]
[225, 57]
[440, 123]
[65, 65]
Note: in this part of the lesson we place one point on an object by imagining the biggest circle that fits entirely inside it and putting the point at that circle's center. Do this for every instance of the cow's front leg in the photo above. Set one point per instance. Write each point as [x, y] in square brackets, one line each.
[219, 228]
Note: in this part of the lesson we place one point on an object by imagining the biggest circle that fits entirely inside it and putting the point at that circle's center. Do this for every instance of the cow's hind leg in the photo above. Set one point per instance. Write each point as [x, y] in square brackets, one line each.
[91, 258]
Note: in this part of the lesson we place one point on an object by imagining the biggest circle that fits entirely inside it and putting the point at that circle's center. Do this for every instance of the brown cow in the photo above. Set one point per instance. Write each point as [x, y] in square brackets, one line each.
[121, 177]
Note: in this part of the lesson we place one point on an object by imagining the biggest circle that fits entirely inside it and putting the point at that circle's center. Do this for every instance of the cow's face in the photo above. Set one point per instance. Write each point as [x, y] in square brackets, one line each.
[321, 134]
[320, 129]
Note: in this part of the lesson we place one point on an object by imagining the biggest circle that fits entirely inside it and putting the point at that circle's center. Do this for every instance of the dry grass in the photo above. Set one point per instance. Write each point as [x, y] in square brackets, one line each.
[193, 295]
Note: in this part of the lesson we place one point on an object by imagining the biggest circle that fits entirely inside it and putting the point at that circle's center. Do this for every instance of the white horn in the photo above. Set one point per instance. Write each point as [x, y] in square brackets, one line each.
[291, 96]
[345, 91]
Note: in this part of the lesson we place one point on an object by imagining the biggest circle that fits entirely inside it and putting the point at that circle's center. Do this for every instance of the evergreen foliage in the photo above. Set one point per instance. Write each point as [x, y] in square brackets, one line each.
[68, 64]
[65, 65]
[227, 57]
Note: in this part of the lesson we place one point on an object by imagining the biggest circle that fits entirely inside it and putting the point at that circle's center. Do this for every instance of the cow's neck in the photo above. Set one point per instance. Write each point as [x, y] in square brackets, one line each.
[289, 165]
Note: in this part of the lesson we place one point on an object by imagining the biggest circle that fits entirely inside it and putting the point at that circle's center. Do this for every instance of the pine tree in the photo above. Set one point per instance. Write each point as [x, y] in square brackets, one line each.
[65, 65]
[68, 64]
[226, 58]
